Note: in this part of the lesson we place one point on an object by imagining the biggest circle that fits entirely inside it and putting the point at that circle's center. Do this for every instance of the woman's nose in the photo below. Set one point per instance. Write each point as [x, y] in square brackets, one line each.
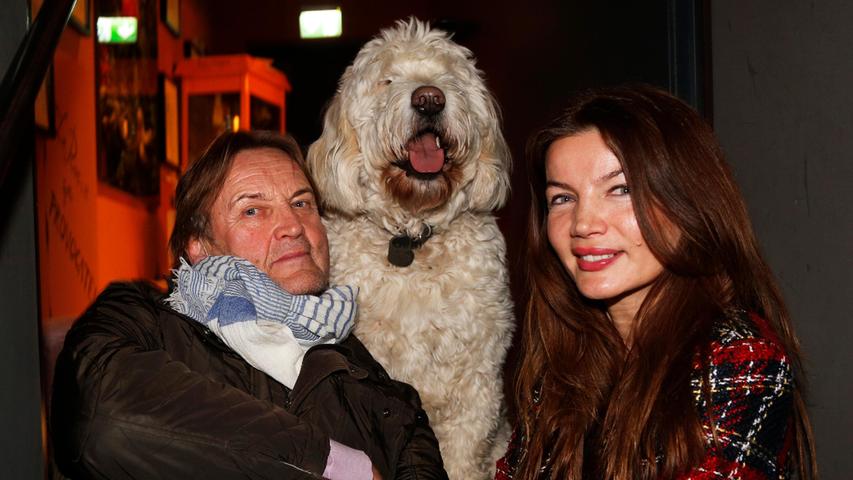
[588, 220]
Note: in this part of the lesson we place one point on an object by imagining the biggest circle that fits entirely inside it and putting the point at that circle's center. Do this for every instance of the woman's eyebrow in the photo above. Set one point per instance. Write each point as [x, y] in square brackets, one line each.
[553, 183]
[603, 178]
[608, 176]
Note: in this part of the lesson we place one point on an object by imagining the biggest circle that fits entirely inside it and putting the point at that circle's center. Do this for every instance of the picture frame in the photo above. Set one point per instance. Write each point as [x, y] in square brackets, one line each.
[170, 12]
[80, 17]
[128, 108]
[192, 49]
[43, 110]
[170, 125]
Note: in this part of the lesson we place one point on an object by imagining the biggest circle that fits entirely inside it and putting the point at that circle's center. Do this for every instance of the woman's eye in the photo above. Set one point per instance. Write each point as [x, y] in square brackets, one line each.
[559, 199]
[301, 204]
[621, 190]
[251, 212]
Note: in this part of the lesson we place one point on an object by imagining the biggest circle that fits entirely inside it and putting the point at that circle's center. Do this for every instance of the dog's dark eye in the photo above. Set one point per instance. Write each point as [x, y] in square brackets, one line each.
[387, 81]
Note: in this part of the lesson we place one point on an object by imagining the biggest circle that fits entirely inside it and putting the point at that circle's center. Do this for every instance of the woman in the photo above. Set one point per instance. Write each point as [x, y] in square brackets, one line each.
[656, 343]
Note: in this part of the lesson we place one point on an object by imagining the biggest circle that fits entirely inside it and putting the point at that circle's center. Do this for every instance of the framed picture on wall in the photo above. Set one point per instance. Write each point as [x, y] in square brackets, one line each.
[169, 122]
[80, 17]
[170, 11]
[128, 101]
[44, 117]
[192, 49]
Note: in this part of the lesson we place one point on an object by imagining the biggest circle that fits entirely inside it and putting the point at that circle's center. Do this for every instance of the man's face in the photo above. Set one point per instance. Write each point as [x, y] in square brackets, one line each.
[266, 213]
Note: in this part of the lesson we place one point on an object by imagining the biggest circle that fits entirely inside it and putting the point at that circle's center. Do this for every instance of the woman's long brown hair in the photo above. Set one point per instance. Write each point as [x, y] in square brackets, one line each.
[602, 410]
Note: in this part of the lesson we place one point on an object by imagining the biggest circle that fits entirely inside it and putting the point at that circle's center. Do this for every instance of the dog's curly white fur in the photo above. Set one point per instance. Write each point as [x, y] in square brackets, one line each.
[444, 322]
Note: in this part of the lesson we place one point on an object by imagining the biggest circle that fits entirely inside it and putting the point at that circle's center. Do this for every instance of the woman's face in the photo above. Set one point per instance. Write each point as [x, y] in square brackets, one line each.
[591, 223]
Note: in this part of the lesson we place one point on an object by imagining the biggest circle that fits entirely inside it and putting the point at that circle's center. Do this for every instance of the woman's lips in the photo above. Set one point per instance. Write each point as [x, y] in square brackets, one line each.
[595, 259]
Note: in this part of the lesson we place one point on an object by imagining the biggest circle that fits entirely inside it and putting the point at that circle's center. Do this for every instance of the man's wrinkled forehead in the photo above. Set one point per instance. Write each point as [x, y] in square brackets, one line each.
[256, 166]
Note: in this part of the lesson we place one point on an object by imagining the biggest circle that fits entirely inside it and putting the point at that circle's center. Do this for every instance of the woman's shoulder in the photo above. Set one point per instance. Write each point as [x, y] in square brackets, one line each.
[745, 336]
[745, 357]
[745, 399]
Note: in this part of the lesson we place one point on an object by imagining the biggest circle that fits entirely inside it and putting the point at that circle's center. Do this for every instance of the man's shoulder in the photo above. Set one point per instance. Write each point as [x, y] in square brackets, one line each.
[358, 354]
[137, 304]
[131, 292]
[355, 347]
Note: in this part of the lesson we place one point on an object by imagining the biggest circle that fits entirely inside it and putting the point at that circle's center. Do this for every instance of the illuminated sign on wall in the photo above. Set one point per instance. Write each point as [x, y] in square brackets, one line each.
[320, 23]
[117, 29]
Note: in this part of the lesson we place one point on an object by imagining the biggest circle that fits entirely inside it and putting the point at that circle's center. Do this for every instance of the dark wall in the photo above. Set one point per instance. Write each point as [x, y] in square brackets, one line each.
[20, 395]
[533, 55]
[782, 108]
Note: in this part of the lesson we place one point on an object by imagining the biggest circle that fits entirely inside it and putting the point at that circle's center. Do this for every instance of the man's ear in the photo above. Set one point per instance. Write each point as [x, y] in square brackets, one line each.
[196, 250]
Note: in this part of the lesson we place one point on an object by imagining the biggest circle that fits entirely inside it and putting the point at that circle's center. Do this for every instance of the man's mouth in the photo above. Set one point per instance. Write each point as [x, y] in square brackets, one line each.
[291, 256]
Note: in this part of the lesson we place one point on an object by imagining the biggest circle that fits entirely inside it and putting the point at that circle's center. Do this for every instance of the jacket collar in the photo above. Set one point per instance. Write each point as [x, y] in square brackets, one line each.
[319, 363]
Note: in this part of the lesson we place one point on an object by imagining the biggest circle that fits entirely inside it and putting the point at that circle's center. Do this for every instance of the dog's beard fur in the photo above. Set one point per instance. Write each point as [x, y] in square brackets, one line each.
[416, 195]
[414, 192]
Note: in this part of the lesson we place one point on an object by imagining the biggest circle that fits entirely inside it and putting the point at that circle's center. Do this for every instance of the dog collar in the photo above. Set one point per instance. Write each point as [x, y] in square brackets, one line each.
[401, 248]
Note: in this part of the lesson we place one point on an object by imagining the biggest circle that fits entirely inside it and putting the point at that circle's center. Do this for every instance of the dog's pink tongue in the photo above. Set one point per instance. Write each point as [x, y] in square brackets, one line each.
[424, 155]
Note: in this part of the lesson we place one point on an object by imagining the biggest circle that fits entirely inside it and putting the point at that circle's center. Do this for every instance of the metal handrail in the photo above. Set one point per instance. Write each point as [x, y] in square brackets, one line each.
[24, 77]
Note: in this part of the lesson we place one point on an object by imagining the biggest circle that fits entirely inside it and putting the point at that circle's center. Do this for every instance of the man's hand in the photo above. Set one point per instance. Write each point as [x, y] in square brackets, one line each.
[376, 475]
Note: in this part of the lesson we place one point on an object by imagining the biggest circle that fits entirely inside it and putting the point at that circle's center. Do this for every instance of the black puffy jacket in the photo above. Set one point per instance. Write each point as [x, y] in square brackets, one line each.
[141, 391]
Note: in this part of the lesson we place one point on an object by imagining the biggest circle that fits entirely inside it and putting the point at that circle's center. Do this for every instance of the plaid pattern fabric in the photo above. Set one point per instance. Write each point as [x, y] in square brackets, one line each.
[505, 468]
[751, 384]
[751, 402]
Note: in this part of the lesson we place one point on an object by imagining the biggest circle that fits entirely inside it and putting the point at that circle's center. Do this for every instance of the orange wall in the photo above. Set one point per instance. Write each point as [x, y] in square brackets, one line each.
[89, 233]
[67, 188]
[127, 240]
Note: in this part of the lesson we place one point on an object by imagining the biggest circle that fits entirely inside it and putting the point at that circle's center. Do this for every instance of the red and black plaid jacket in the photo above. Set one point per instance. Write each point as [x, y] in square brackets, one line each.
[751, 402]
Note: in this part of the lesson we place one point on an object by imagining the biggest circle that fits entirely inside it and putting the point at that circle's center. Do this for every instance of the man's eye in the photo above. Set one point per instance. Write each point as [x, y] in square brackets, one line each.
[251, 212]
[301, 204]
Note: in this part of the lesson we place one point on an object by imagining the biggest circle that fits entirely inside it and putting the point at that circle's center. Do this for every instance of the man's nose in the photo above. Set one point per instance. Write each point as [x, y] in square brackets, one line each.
[588, 219]
[287, 223]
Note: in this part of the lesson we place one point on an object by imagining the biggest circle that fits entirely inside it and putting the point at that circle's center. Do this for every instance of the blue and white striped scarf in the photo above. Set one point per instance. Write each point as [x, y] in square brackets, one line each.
[269, 327]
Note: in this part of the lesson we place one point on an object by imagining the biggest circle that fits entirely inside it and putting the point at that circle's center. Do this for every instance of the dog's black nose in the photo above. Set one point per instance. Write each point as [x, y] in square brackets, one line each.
[428, 100]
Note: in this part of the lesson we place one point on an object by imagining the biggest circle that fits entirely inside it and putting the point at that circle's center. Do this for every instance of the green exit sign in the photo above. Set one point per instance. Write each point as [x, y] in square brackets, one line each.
[320, 23]
[117, 29]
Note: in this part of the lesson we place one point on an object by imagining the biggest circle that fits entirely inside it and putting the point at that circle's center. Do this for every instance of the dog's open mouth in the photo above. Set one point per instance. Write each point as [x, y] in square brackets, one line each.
[426, 156]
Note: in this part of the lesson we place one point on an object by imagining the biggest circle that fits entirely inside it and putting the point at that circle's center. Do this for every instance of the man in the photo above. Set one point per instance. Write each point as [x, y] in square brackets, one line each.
[143, 391]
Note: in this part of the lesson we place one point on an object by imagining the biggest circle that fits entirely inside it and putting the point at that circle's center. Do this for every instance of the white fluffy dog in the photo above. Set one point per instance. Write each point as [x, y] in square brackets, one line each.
[410, 164]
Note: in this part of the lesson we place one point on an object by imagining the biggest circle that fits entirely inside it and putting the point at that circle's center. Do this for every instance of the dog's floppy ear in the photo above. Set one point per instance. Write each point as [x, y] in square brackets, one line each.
[491, 184]
[334, 161]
